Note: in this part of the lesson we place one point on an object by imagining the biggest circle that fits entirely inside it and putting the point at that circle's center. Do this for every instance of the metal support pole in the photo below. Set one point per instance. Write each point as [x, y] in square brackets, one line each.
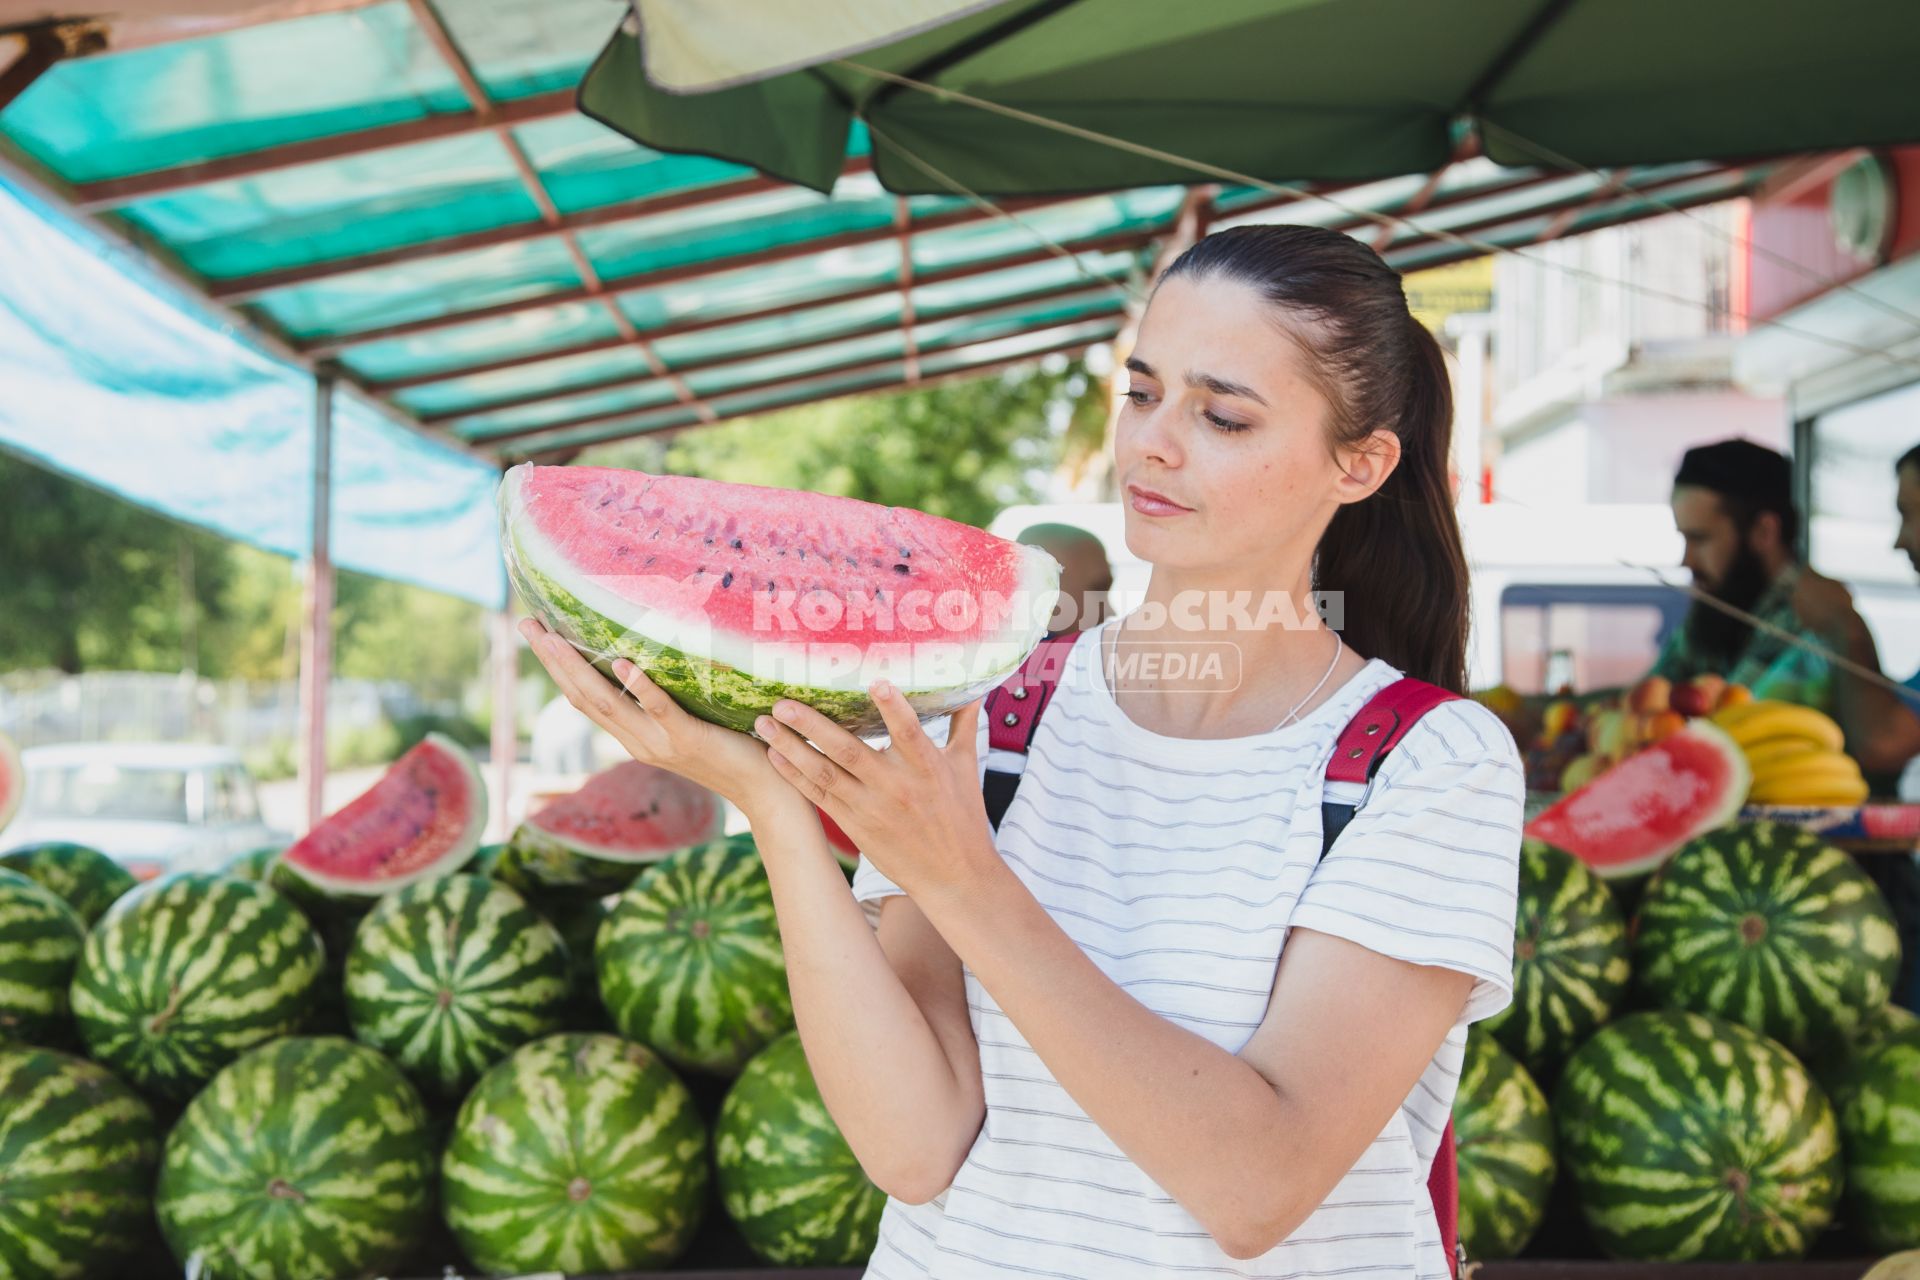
[506, 737]
[316, 637]
[1804, 460]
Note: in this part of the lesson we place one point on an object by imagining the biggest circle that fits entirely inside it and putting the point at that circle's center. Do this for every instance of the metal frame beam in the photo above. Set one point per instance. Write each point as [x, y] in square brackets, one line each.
[855, 369]
[430, 22]
[332, 344]
[1094, 244]
[1001, 308]
[112, 193]
[564, 453]
[247, 288]
[40, 50]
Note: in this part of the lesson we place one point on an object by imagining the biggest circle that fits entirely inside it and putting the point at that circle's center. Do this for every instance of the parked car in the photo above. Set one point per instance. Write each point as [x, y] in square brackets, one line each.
[152, 807]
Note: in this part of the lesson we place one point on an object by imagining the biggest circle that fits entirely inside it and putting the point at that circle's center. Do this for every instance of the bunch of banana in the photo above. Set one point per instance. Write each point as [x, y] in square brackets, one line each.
[1795, 753]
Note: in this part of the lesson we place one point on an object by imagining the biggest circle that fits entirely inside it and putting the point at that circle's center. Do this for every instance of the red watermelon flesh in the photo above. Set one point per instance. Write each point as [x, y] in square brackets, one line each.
[731, 597]
[632, 812]
[1631, 818]
[13, 780]
[843, 846]
[421, 820]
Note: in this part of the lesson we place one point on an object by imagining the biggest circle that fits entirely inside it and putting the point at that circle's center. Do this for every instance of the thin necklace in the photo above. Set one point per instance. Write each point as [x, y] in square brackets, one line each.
[1339, 646]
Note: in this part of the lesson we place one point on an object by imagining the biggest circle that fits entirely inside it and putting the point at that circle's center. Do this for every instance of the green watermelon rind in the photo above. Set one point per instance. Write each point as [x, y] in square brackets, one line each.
[577, 1154]
[41, 941]
[87, 879]
[78, 1149]
[1878, 1100]
[787, 1178]
[726, 695]
[1503, 1131]
[188, 972]
[1571, 966]
[709, 1001]
[448, 976]
[1691, 1138]
[1769, 926]
[309, 1156]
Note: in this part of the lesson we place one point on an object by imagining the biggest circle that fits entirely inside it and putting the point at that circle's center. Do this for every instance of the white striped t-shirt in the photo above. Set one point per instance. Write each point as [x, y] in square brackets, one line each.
[1178, 865]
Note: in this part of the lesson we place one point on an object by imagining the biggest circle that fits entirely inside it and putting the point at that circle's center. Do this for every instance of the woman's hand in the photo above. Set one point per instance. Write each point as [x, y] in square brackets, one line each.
[656, 730]
[913, 808]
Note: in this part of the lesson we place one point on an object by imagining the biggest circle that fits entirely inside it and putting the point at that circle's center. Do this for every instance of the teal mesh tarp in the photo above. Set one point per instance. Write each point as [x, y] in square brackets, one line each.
[108, 374]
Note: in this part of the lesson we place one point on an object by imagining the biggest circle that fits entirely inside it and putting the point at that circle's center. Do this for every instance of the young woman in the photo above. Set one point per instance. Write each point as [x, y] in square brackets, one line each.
[1148, 1030]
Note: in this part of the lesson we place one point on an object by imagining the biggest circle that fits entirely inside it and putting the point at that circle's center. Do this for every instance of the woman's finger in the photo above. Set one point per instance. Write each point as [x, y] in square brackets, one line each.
[821, 773]
[963, 734]
[833, 742]
[795, 777]
[904, 730]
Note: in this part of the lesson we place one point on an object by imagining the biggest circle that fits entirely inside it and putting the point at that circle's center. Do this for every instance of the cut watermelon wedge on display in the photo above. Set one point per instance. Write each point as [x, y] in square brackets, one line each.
[731, 597]
[1634, 816]
[596, 840]
[13, 780]
[421, 820]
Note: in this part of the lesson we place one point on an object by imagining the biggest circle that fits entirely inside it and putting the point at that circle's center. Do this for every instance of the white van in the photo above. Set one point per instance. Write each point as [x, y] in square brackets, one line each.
[1568, 595]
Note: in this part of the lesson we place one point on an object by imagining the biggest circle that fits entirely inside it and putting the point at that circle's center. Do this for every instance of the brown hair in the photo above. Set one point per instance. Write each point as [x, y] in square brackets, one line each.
[1397, 555]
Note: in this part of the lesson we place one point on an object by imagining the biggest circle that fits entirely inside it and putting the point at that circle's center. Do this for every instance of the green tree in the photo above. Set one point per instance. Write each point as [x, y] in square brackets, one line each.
[962, 449]
[94, 581]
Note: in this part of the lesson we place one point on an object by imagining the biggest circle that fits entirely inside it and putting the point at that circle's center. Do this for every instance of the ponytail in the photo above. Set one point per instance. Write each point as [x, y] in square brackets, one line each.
[1396, 556]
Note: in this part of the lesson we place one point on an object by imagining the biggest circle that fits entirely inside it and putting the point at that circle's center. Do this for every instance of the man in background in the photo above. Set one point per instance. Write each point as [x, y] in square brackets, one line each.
[1086, 577]
[1733, 505]
[1882, 726]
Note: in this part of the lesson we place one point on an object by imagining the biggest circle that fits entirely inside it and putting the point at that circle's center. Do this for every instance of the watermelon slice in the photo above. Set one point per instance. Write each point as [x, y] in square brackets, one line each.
[422, 819]
[13, 780]
[598, 839]
[1633, 817]
[733, 596]
[838, 840]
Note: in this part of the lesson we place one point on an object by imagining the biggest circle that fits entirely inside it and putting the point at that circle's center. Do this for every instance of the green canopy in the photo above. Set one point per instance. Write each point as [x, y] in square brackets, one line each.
[401, 192]
[1332, 90]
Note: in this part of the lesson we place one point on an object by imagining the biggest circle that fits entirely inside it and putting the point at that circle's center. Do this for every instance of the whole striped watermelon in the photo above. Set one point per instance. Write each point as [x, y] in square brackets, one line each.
[77, 1150]
[578, 922]
[690, 961]
[787, 1178]
[1569, 959]
[1878, 1100]
[88, 880]
[1771, 927]
[308, 1157]
[1692, 1138]
[40, 944]
[186, 973]
[576, 1154]
[1830, 1061]
[447, 976]
[1504, 1135]
[255, 864]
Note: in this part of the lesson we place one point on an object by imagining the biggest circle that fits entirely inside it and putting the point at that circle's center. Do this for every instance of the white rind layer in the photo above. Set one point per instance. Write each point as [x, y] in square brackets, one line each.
[829, 666]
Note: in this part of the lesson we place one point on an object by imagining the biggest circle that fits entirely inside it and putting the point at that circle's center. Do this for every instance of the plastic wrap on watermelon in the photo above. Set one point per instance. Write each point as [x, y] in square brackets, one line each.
[731, 597]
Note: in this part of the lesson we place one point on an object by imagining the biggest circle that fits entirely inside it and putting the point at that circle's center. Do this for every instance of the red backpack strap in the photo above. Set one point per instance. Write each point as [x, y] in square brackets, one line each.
[1379, 727]
[1357, 755]
[1013, 708]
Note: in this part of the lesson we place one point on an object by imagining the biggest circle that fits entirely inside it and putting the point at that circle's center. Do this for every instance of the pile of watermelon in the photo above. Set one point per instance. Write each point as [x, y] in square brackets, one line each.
[385, 1050]
[1718, 1077]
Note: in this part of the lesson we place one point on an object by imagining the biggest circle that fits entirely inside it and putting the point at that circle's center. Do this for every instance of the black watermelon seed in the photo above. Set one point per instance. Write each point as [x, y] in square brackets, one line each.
[900, 568]
[735, 544]
[726, 579]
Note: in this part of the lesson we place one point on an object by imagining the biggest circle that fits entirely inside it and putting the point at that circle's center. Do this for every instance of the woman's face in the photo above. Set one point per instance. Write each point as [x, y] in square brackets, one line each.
[1221, 448]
